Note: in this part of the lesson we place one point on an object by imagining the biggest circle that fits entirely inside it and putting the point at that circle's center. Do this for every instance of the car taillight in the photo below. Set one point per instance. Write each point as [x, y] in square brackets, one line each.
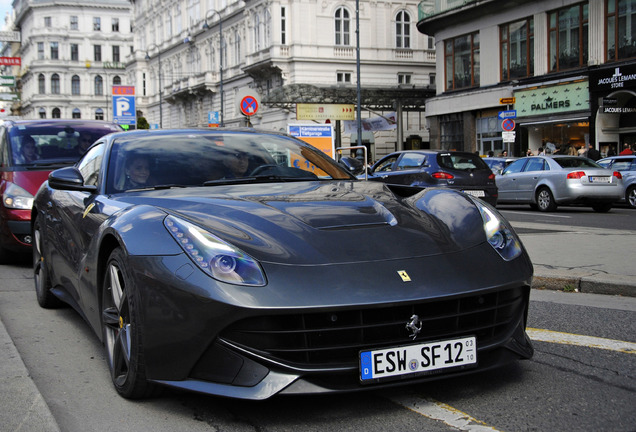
[576, 175]
[442, 176]
[618, 175]
[491, 176]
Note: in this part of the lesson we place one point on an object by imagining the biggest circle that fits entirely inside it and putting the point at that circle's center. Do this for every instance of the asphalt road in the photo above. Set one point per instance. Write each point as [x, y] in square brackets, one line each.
[584, 380]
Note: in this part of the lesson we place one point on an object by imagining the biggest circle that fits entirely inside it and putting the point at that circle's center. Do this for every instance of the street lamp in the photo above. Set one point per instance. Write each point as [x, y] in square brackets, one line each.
[159, 72]
[207, 27]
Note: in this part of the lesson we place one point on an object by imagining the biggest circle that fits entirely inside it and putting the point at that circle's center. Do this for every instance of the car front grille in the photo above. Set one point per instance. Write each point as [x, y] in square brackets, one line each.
[334, 338]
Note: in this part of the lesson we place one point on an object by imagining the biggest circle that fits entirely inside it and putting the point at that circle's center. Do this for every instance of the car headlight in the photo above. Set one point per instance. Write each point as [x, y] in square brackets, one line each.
[14, 197]
[214, 256]
[499, 233]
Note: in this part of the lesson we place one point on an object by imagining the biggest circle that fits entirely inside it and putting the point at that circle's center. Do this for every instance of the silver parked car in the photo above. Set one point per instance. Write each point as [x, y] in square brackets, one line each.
[545, 182]
[626, 165]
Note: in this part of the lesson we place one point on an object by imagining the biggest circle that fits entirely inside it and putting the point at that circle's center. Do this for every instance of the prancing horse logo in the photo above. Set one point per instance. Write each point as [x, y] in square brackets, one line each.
[414, 326]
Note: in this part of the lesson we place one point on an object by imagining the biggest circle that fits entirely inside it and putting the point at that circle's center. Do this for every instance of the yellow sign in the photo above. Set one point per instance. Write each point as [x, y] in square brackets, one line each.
[507, 101]
[325, 112]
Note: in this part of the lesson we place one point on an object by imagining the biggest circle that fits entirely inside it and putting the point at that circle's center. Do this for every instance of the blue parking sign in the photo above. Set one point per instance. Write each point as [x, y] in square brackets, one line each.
[124, 110]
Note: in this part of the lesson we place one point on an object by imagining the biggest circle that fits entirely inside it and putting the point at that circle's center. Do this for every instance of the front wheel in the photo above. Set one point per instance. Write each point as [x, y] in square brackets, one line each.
[45, 297]
[630, 196]
[545, 200]
[122, 330]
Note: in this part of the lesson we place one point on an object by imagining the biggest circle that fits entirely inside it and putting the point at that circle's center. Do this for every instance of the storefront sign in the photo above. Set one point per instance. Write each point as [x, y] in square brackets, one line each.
[554, 99]
[7, 81]
[325, 112]
[622, 77]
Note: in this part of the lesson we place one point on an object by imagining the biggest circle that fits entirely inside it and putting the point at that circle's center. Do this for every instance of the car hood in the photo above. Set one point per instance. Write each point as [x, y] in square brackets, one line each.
[315, 223]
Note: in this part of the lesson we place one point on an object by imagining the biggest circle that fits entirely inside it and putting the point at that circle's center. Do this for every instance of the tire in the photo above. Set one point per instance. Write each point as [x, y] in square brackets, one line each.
[123, 338]
[43, 293]
[602, 208]
[630, 196]
[545, 200]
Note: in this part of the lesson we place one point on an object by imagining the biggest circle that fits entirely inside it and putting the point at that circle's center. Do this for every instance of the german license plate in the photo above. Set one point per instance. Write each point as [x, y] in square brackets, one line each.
[428, 357]
[599, 179]
[476, 193]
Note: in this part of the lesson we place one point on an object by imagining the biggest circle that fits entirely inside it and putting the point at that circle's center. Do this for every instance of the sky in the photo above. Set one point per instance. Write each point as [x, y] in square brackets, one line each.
[5, 6]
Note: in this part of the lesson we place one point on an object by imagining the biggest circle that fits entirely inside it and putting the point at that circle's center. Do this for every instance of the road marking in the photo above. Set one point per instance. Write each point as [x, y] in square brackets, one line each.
[580, 340]
[439, 411]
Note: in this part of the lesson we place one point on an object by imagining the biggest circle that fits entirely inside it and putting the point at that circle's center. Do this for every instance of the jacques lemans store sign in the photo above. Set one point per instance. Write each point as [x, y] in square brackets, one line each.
[554, 99]
[613, 79]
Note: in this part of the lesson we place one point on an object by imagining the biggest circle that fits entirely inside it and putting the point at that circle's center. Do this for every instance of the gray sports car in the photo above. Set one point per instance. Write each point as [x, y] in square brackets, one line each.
[545, 182]
[249, 264]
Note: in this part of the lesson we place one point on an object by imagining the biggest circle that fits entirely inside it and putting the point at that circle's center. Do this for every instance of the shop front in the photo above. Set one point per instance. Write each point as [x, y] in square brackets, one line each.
[613, 95]
[554, 116]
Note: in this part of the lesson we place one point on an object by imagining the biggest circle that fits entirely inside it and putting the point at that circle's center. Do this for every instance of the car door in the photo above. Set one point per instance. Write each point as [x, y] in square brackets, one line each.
[507, 181]
[384, 168]
[528, 178]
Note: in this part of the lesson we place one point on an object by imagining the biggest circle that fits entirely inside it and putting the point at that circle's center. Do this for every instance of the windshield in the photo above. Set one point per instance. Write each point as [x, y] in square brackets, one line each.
[202, 158]
[54, 143]
[461, 161]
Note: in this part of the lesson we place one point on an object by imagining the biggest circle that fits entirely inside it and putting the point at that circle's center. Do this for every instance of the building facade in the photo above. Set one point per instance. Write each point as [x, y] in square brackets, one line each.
[196, 60]
[522, 75]
[71, 52]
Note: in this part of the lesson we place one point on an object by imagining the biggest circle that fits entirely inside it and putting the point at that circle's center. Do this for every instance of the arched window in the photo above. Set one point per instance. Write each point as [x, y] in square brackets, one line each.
[41, 84]
[117, 80]
[343, 23]
[99, 85]
[56, 113]
[77, 114]
[99, 114]
[55, 84]
[42, 113]
[75, 85]
[403, 30]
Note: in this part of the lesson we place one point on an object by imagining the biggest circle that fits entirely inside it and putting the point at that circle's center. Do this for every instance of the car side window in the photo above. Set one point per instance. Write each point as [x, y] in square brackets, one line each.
[515, 167]
[386, 165]
[534, 164]
[621, 165]
[411, 161]
[91, 163]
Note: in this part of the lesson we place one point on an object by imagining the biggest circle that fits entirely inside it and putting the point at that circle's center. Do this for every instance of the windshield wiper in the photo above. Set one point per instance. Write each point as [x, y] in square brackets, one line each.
[256, 179]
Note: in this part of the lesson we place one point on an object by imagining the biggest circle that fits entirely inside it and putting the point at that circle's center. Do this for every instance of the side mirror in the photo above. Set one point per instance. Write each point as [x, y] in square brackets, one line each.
[69, 178]
[353, 165]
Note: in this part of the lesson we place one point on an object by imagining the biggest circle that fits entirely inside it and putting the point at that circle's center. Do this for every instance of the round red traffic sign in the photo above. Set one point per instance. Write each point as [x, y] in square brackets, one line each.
[249, 105]
[508, 124]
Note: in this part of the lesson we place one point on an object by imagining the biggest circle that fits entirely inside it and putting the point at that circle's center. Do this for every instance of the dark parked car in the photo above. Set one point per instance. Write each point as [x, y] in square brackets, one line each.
[626, 165]
[546, 182]
[29, 150]
[247, 264]
[463, 171]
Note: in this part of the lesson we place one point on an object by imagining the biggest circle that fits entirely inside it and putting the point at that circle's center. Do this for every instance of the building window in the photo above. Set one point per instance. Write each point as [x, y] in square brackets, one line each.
[99, 85]
[55, 84]
[116, 53]
[40, 50]
[431, 43]
[42, 113]
[404, 79]
[74, 22]
[343, 23]
[115, 25]
[99, 114]
[77, 114]
[343, 77]
[283, 26]
[41, 84]
[56, 113]
[97, 24]
[403, 30]
[97, 52]
[116, 80]
[568, 38]
[75, 85]
[74, 52]
[461, 61]
[47, 21]
[620, 27]
[517, 49]
[55, 51]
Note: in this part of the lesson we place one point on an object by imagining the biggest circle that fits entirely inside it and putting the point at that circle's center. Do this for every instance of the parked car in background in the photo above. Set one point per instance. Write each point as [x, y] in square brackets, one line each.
[288, 275]
[546, 182]
[497, 164]
[626, 165]
[29, 151]
[462, 171]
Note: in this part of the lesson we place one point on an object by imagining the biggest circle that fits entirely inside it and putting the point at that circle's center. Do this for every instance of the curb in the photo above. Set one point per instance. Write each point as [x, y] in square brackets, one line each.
[584, 282]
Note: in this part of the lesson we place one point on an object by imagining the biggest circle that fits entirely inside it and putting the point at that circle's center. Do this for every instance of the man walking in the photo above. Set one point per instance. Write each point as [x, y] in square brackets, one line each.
[593, 154]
